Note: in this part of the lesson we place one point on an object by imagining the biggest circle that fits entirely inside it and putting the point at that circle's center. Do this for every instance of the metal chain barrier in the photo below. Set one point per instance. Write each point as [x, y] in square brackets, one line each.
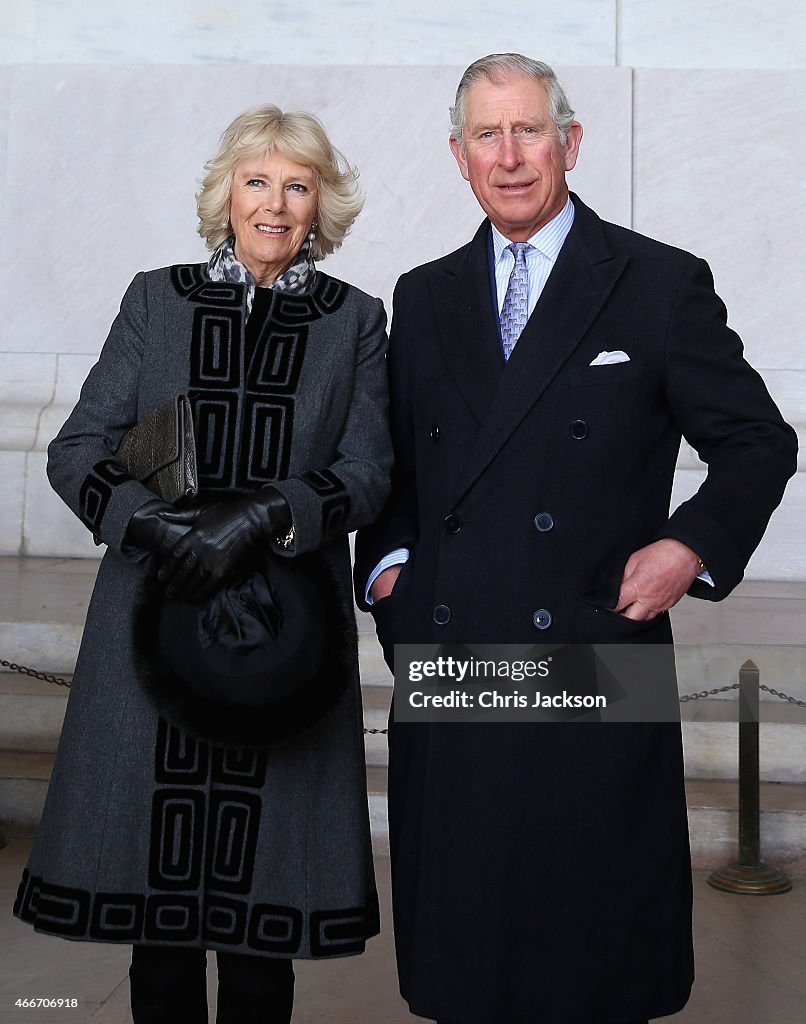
[709, 693]
[45, 676]
[61, 681]
[783, 696]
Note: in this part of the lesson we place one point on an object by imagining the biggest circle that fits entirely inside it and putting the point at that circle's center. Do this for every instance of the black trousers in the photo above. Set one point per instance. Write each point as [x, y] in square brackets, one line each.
[170, 985]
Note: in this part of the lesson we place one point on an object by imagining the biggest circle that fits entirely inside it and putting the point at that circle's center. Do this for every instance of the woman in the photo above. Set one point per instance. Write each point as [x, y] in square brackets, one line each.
[155, 831]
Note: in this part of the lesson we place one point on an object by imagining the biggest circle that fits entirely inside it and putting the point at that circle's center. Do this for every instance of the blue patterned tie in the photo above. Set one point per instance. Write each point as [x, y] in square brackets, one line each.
[514, 312]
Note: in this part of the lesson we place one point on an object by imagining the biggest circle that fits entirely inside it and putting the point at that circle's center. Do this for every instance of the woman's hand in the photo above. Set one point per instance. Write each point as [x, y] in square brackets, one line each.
[158, 526]
[220, 546]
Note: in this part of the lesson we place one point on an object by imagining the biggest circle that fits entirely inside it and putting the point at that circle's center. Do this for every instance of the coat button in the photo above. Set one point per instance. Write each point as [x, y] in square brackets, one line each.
[542, 618]
[452, 523]
[579, 430]
[544, 521]
[442, 615]
[434, 433]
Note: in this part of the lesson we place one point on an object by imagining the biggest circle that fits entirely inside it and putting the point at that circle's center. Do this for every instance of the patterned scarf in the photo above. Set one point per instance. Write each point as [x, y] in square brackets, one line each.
[296, 279]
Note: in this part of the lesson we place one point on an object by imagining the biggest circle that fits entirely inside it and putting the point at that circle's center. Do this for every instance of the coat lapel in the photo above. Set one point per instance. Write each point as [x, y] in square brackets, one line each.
[467, 323]
[578, 287]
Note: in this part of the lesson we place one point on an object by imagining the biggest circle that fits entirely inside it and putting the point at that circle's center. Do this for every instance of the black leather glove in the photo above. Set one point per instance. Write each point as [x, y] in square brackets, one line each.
[157, 526]
[219, 547]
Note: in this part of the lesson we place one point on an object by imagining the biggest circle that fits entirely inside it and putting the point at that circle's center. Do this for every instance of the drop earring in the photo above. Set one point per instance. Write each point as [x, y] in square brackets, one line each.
[312, 233]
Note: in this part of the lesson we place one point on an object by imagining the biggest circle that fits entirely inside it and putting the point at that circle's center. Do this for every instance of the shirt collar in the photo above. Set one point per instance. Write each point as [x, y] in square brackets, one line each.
[548, 240]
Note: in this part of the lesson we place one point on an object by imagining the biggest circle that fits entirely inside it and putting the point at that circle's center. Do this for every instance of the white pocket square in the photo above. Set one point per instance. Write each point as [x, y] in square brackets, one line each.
[606, 358]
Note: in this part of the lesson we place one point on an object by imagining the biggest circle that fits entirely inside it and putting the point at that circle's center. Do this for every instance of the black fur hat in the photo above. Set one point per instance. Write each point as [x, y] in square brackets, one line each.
[258, 662]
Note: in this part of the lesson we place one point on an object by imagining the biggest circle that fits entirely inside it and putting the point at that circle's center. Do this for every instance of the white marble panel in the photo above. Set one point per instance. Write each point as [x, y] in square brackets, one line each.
[720, 170]
[18, 31]
[12, 473]
[50, 528]
[322, 32]
[781, 555]
[126, 176]
[712, 33]
[26, 387]
[5, 110]
[70, 373]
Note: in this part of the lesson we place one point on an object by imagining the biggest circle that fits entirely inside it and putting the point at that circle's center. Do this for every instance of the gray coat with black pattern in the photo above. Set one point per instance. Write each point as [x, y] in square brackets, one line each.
[152, 833]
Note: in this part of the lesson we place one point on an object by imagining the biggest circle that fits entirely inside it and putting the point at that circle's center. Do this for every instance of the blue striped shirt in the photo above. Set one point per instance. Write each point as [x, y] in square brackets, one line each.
[547, 242]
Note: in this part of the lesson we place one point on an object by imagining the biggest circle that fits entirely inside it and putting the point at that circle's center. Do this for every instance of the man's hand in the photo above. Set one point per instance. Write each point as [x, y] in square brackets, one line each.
[655, 578]
[384, 583]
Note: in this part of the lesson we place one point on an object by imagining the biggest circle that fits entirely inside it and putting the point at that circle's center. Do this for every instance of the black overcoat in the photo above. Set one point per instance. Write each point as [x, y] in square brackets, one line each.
[541, 871]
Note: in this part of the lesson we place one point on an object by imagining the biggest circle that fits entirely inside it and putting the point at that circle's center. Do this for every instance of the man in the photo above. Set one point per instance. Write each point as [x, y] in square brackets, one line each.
[541, 871]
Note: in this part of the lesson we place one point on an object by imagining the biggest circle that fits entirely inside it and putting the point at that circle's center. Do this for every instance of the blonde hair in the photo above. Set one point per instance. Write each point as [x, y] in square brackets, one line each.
[302, 138]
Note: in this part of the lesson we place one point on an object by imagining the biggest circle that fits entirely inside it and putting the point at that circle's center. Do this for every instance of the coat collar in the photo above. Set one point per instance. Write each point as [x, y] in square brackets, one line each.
[467, 321]
[577, 289]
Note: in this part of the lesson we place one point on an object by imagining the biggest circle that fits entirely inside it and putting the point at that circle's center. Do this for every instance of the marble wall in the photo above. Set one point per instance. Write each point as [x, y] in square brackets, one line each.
[108, 111]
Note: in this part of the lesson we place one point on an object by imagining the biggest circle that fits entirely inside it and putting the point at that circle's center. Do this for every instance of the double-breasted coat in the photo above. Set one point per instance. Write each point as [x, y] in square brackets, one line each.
[541, 871]
[152, 833]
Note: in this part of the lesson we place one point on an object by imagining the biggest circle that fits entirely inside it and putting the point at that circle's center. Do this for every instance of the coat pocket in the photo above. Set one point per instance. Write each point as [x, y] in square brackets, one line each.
[582, 376]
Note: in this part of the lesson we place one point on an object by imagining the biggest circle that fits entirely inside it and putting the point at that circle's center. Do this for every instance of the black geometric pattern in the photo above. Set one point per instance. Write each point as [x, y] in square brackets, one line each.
[342, 931]
[177, 839]
[180, 759]
[233, 823]
[173, 918]
[187, 279]
[93, 498]
[276, 363]
[330, 294]
[58, 909]
[96, 490]
[117, 917]
[111, 471]
[240, 766]
[275, 929]
[214, 356]
[266, 445]
[323, 482]
[336, 504]
[244, 378]
[215, 417]
[225, 920]
[335, 512]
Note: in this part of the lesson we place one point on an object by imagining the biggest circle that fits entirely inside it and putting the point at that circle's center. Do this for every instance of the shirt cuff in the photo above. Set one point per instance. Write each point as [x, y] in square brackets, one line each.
[397, 557]
[706, 577]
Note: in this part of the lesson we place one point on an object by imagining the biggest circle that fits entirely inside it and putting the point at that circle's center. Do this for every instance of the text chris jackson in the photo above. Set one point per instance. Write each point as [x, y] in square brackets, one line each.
[494, 699]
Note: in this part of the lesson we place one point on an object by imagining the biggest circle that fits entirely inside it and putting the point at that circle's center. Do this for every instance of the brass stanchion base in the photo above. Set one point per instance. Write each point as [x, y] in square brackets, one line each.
[750, 880]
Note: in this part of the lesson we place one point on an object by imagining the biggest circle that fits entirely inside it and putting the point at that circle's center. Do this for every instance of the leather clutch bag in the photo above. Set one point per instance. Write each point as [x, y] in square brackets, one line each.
[161, 451]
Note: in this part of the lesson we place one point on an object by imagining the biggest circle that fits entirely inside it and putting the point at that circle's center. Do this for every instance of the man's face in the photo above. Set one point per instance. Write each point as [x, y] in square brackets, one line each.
[514, 158]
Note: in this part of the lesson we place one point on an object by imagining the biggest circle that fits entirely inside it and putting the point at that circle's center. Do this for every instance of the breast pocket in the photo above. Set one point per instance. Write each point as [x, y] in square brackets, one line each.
[609, 373]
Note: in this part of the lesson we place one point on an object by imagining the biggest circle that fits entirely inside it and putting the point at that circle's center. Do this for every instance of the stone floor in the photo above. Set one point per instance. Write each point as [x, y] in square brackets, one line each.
[750, 966]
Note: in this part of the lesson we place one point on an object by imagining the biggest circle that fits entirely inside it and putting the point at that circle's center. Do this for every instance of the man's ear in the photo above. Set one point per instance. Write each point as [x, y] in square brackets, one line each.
[572, 145]
[461, 159]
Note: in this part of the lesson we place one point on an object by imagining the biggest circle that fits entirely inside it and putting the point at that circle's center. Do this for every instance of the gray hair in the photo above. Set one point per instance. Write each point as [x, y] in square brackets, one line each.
[497, 66]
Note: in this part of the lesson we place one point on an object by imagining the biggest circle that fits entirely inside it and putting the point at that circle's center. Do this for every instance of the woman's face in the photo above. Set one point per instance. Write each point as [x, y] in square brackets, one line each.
[272, 207]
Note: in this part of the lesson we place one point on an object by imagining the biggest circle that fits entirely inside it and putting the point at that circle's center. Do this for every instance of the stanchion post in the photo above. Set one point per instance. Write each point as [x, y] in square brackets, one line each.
[749, 804]
[749, 875]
